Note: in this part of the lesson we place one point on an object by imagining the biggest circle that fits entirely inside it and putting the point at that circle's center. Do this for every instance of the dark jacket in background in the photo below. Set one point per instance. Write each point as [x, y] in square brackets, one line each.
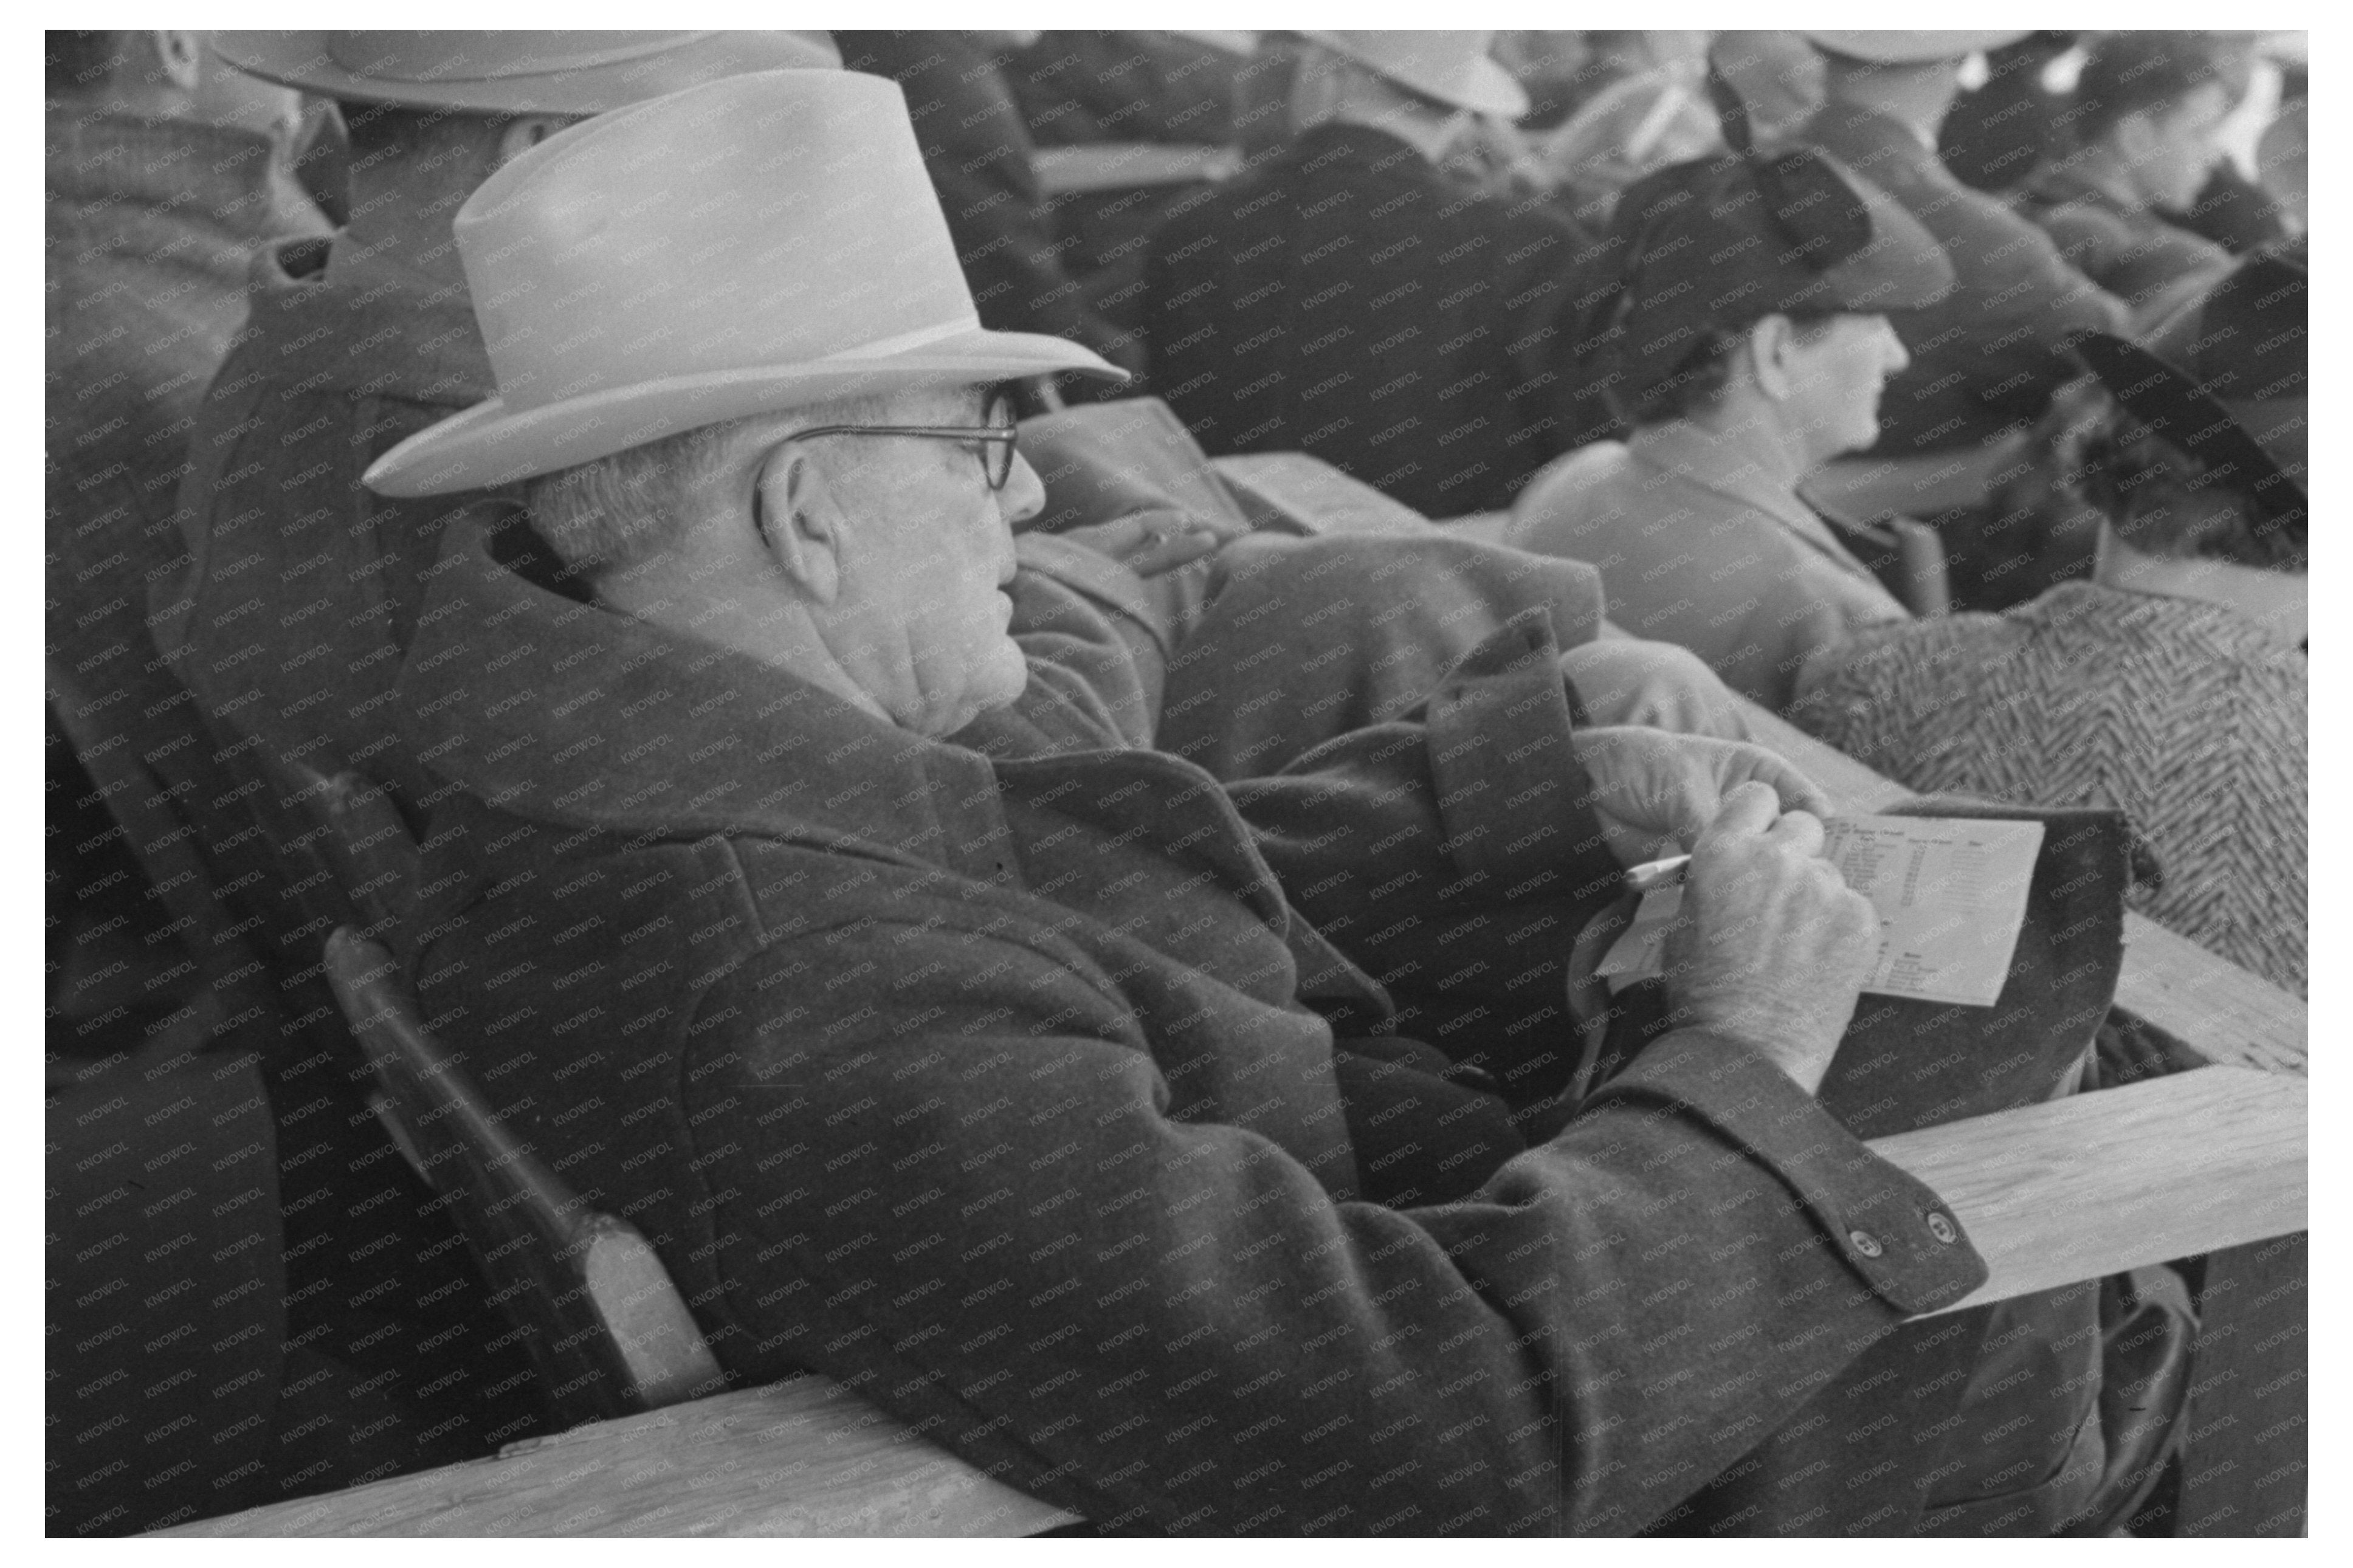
[1347, 299]
[1079, 87]
[976, 151]
[988, 1089]
[150, 226]
[2134, 252]
[2234, 211]
[1981, 358]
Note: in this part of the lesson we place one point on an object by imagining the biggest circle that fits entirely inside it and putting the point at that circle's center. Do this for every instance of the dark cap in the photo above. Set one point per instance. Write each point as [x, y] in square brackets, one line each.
[1721, 243]
[2224, 378]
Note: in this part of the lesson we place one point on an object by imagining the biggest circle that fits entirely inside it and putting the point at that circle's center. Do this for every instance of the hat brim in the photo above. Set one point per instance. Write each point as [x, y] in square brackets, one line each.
[1909, 46]
[2176, 406]
[301, 59]
[1491, 88]
[489, 445]
[1902, 269]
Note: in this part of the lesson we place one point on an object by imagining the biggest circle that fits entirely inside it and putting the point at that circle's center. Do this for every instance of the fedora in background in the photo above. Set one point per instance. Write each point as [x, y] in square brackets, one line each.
[577, 72]
[1908, 47]
[2224, 378]
[1454, 68]
[753, 244]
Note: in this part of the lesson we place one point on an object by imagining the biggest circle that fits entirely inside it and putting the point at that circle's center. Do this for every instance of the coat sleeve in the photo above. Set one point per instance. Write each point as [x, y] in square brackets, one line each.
[977, 1204]
[1397, 840]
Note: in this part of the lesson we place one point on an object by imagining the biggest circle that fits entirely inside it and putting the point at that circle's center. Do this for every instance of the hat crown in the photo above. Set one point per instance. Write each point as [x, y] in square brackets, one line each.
[2247, 338]
[775, 219]
[450, 54]
[1451, 64]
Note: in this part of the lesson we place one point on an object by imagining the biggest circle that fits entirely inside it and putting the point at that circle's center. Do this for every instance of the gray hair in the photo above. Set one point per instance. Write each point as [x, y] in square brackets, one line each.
[621, 511]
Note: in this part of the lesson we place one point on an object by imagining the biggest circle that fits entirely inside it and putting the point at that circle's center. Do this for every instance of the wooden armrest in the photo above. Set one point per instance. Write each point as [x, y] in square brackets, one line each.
[2071, 1190]
[1128, 165]
[1295, 493]
[799, 1457]
[2096, 1183]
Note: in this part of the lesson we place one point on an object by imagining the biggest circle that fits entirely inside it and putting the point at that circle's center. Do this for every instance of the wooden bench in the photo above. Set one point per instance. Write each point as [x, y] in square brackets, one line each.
[2071, 1190]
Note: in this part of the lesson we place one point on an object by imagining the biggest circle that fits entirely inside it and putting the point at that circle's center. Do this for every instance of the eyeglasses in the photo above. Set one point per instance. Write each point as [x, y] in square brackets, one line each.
[993, 442]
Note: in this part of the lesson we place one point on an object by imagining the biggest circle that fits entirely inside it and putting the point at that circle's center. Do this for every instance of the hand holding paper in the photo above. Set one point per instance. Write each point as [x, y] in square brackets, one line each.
[1949, 896]
[1774, 945]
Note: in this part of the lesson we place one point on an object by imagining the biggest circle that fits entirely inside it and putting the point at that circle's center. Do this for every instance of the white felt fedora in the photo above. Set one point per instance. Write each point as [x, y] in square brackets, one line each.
[1450, 67]
[1908, 45]
[743, 247]
[514, 72]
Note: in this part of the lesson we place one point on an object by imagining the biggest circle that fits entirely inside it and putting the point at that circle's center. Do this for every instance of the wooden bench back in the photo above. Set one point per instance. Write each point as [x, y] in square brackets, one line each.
[605, 1327]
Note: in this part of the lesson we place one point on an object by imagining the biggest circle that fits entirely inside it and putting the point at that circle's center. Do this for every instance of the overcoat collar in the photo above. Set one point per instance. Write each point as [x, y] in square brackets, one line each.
[551, 708]
[561, 710]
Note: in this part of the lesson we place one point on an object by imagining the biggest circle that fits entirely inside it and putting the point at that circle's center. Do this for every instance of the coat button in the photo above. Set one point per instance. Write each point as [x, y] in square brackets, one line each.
[1865, 1243]
[1941, 1226]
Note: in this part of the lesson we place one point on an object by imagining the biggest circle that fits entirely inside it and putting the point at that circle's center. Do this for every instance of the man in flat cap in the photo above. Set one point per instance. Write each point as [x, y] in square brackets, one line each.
[1004, 1091]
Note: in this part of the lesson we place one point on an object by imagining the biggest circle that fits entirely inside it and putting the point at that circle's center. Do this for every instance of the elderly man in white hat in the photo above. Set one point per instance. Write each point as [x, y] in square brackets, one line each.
[1350, 299]
[1007, 1091]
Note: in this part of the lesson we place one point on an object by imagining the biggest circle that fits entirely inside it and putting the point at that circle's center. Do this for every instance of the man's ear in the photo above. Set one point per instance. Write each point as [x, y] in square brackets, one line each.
[179, 58]
[800, 523]
[1769, 341]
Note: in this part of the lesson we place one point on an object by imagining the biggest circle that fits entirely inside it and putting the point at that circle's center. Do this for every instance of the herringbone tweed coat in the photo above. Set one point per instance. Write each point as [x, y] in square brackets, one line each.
[2182, 713]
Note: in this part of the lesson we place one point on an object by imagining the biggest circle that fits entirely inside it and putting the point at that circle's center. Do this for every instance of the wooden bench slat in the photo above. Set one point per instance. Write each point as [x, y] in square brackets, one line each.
[2081, 1187]
[801, 1457]
[1129, 165]
[2096, 1184]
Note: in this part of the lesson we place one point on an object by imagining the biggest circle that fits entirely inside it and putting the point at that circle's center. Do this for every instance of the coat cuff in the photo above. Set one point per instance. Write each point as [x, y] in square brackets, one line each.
[1893, 1230]
[1511, 796]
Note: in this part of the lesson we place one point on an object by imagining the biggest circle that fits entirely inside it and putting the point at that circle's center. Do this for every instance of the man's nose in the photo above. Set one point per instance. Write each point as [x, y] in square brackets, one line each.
[1024, 495]
[1896, 360]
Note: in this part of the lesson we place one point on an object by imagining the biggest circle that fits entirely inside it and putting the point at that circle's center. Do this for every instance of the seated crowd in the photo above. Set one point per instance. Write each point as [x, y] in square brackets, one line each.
[1086, 962]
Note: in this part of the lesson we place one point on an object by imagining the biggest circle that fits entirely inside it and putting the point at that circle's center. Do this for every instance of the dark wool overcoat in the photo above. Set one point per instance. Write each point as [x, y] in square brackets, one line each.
[993, 1089]
[1347, 299]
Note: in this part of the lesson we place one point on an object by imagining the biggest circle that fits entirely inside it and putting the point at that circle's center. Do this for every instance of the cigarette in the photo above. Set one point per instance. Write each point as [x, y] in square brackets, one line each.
[1654, 874]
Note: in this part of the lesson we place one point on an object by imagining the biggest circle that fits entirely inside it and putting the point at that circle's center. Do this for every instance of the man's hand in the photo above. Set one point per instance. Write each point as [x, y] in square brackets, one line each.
[1655, 794]
[1772, 945]
[1149, 544]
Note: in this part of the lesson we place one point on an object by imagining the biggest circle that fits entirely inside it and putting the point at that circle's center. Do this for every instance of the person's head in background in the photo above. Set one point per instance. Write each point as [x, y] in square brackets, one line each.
[2198, 472]
[1751, 305]
[2157, 500]
[172, 74]
[1911, 76]
[1425, 88]
[2146, 107]
[431, 116]
[1998, 135]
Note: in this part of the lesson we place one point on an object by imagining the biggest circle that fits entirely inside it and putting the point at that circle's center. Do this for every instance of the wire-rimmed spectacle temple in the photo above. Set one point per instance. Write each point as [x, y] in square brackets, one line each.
[994, 441]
